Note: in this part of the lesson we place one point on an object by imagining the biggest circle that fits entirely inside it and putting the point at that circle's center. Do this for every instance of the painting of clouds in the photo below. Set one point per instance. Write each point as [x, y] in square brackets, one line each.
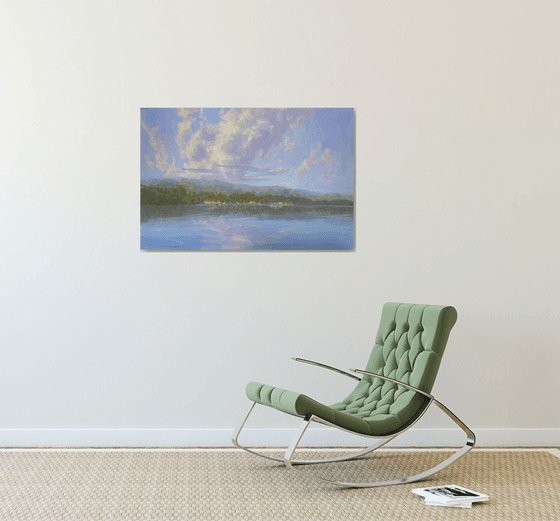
[247, 179]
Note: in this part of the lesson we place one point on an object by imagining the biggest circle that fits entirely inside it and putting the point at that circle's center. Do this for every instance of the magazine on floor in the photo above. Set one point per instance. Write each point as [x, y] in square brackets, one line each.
[450, 496]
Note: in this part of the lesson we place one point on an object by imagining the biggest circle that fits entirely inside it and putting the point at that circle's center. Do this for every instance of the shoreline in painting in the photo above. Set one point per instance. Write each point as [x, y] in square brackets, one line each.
[151, 212]
[173, 192]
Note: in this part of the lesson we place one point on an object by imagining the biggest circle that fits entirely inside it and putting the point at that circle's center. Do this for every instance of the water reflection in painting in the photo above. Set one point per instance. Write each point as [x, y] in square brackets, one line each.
[185, 227]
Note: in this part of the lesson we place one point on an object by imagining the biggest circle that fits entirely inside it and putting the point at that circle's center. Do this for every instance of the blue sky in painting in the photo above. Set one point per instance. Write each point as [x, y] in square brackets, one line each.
[309, 149]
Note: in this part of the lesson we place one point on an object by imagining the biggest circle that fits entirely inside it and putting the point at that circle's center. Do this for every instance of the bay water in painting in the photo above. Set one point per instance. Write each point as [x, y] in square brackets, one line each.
[247, 179]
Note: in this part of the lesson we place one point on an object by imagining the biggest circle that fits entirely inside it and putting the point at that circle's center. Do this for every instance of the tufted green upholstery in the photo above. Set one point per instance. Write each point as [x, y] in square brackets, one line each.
[408, 347]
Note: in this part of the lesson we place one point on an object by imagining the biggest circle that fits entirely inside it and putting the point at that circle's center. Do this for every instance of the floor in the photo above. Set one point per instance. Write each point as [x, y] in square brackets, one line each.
[216, 484]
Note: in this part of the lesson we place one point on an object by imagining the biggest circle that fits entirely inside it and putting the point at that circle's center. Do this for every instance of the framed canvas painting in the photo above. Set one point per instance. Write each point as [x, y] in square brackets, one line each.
[247, 179]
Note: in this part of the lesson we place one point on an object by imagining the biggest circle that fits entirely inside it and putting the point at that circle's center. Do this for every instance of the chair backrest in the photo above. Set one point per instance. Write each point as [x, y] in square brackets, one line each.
[410, 343]
[408, 347]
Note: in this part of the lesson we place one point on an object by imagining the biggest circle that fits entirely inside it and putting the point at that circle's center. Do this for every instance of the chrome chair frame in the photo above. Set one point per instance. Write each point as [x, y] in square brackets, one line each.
[292, 464]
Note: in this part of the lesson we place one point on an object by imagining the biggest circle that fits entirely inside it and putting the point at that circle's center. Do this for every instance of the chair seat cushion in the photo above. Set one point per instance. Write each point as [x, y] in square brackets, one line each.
[387, 413]
[384, 421]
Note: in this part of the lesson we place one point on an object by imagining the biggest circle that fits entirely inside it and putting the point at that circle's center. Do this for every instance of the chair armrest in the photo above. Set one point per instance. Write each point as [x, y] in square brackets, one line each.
[394, 381]
[330, 368]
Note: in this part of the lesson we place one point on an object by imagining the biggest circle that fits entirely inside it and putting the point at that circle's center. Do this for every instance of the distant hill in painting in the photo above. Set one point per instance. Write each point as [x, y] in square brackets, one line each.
[187, 191]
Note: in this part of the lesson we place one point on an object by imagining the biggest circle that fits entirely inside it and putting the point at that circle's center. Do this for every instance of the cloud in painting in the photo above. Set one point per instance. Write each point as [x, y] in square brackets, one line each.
[307, 162]
[289, 145]
[328, 162]
[185, 125]
[241, 136]
[159, 150]
[158, 147]
[303, 148]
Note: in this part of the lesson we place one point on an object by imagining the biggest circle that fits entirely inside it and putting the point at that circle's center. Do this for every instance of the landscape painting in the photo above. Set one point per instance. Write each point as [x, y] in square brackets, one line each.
[247, 179]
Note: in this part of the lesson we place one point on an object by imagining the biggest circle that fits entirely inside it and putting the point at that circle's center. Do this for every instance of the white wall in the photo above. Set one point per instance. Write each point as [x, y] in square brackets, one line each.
[457, 162]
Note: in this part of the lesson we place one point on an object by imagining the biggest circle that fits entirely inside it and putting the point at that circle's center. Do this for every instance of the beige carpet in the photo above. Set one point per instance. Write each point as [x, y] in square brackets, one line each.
[217, 485]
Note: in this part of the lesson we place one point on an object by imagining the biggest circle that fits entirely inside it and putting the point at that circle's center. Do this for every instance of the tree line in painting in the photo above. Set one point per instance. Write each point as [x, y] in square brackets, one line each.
[186, 194]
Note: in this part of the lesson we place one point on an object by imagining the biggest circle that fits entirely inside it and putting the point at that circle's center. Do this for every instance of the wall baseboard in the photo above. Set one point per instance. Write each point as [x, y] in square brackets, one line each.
[314, 437]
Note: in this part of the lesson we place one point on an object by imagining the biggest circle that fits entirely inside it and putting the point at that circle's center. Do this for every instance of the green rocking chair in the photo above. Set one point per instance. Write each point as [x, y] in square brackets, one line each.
[391, 396]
